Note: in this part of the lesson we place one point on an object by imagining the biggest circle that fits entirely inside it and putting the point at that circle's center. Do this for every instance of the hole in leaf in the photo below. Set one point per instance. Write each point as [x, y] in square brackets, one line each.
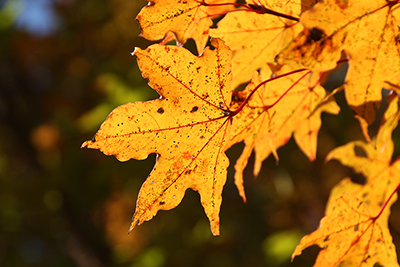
[360, 152]
[316, 34]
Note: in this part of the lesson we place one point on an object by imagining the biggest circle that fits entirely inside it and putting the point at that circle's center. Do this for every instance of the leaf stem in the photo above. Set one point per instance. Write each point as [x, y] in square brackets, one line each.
[257, 8]
[279, 99]
[235, 112]
[319, 79]
[386, 203]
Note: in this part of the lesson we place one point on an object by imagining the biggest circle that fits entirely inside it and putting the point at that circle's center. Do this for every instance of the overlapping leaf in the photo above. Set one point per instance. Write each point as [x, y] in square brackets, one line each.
[265, 127]
[368, 32]
[351, 236]
[354, 231]
[373, 161]
[184, 18]
[257, 38]
[186, 127]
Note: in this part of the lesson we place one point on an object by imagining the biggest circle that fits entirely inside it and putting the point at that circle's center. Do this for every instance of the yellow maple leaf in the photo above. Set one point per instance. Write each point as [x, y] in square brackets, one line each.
[184, 18]
[354, 231]
[373, 161]
[186, 127]
[367, 31]
[265, 126]
[256, 38]
[351, 236]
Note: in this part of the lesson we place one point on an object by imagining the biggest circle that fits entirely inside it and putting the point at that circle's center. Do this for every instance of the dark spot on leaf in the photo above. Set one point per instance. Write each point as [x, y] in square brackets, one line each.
[162, 202]
[316, 34]
[206, 95]
[356, 228]
[367, 258]
[160, 110]
[137, 223]
[236, 97]
[194, 109]
[326, 238]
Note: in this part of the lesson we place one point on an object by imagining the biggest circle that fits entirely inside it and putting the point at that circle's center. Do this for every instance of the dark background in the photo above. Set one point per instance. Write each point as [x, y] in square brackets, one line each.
[64, 65]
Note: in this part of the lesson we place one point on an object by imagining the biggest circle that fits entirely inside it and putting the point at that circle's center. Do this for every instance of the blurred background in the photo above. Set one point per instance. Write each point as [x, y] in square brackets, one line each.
[64, 65]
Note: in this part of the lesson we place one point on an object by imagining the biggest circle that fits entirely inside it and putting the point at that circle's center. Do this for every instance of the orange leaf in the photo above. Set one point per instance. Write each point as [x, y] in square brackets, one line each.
[350, 205]
[333, 26]
[350, 236]
[185, 18]
[265, 129]
[374, 161]
[371, 159]
[186, 127]
[256, 38]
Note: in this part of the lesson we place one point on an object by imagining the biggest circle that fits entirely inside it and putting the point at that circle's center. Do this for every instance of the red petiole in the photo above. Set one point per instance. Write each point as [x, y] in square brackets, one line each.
[386, 203]
[257, 8]
[235, 112]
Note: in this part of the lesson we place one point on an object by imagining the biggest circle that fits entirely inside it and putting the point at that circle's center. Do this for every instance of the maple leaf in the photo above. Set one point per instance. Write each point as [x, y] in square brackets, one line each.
[186, 127]
[332, 26]
[257, 38]
[373, 161]
[184, 18]
[289, 105]
[350, 236]
[370, 242]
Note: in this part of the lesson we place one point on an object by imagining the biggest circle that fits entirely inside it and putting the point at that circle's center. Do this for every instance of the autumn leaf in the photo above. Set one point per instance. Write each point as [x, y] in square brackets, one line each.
[218, 7]
[184, 18]
[371, 243]
[257, 38]
[367, 31]
[289, 105]
[186, 127]
[373, 161]
[351, 236]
